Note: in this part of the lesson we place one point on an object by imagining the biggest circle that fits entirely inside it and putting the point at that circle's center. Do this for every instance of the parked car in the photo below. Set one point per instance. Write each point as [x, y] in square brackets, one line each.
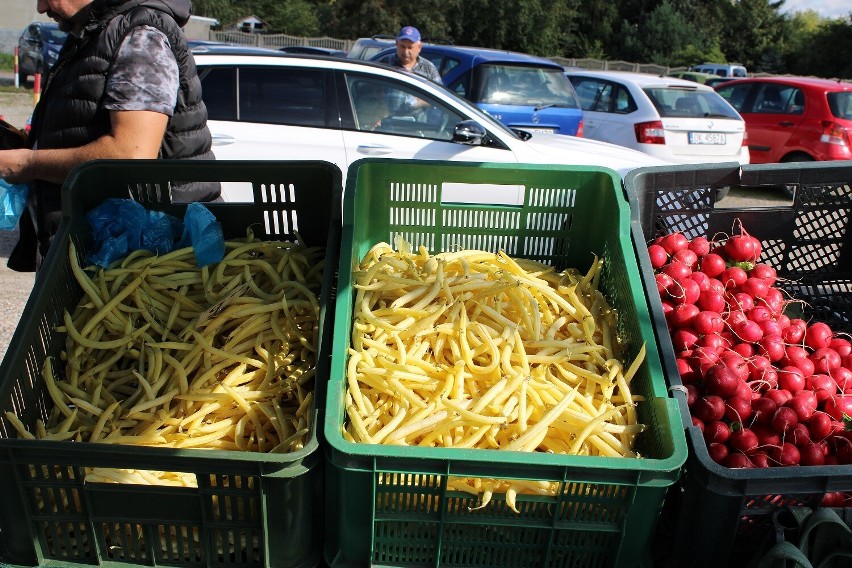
[295, 107]
[312, 50]
[721, 69]
[696, 76]
[793, 119]
[519, 90]
[38, 49]
[716, 80]
[367, 47]
[672, 119]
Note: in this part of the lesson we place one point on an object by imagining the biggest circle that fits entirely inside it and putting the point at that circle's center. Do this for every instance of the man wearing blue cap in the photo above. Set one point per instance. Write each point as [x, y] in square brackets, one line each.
[407, 57]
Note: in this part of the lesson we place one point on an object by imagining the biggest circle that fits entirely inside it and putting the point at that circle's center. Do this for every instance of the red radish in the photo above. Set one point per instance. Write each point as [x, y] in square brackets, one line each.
[682, 315]
[818, 335]
[674, 242]
[783, 321]
[792, 379]
[716, 431]
[701, 279]
[746, 350]
[803, 406]
[716, 285]
[826, 360]
[691, 290]
[799, 435]
[784, 420]
[713, 265]
[755, 287]
[663, 282]
[659, 256]
[766, 435]
[687, 257]
[763, 409]
[774, 300]
[743, 301]
[698, 424]
[794, 353]
[772, 346]
[833, 499]
[821, 385]
[819, 425]
[736, 363]
[839, 406]
[709, 408]
[795, 333]
[677, 270]
[707, 322]
[842, 377]
[762, 270]
[743, 248]
[721, 381]
[700, 246]
[749, 331]
[761, 314]
[779, 396]
[743, 391]
[735, 317]
[718, 452]
[703, 359]
[684, 338]
[843, 347]
[712, 301]
[811, 454]
[687, 374]
[769, 327]
[743, 440]
[713, 342]
[760, 459]
[787, 454]
[738, 408]
[737, 460]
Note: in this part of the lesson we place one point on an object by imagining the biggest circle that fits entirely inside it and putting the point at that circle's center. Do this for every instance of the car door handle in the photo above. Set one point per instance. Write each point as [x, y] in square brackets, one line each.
[785, 123]
[223, 140]
[374, 149]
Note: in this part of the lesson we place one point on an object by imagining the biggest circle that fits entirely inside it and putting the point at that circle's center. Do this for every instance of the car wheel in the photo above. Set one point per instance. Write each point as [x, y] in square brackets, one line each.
[790, 189]
[22, 78]
[722, 193]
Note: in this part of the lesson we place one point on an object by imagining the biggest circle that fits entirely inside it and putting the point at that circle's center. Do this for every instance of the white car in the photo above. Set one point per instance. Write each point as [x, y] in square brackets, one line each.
[676, 120]
[294, 107]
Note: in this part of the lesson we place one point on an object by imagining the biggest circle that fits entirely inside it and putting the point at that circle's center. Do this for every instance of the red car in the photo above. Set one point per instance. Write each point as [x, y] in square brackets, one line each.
[793, 119]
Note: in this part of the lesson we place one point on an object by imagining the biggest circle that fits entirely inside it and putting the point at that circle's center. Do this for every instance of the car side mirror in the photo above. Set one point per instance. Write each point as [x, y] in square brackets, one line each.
[469, 132]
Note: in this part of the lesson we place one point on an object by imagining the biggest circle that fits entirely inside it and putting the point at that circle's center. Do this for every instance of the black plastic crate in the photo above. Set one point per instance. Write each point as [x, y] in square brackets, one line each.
[249, 509]
[717, 516]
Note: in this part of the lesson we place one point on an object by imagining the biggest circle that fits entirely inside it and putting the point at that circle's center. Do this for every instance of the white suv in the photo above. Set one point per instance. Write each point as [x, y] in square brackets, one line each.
[293, 107]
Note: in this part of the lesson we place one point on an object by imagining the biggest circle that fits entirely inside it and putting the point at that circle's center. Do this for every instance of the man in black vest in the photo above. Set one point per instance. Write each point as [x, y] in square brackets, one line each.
[124, 87]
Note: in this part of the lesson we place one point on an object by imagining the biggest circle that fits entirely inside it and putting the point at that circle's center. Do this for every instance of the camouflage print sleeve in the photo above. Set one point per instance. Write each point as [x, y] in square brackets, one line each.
[144, 75]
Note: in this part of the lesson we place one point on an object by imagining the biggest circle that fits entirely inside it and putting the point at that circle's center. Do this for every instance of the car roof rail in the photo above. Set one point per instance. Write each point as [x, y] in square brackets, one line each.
[382, 36]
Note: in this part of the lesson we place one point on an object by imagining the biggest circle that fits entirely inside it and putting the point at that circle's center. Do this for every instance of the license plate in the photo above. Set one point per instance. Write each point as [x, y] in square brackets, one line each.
[706, 138]
[540, 130]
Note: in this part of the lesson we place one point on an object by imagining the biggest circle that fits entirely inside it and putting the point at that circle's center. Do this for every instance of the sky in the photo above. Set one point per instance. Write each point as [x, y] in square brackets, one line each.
[825, 8]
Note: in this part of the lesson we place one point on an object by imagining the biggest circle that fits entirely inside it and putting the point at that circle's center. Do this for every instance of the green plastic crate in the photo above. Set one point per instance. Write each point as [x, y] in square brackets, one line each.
[607, 508]
[266, 505]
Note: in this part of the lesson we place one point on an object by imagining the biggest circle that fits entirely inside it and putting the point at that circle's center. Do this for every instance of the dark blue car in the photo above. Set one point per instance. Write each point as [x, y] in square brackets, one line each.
[38, 48]
[522, 91]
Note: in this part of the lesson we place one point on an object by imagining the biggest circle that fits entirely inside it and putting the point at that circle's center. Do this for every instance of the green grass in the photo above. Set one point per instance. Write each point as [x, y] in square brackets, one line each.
[7, 62]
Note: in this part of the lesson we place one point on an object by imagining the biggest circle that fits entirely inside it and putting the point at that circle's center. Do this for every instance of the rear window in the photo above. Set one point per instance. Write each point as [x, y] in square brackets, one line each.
[841, 104]
[522, 85]
[689, 103]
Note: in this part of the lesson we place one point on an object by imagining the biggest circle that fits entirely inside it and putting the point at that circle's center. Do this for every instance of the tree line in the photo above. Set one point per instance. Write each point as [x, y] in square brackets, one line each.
[673, 33]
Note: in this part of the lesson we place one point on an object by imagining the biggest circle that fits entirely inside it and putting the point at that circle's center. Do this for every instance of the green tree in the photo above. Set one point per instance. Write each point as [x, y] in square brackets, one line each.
[755, 33]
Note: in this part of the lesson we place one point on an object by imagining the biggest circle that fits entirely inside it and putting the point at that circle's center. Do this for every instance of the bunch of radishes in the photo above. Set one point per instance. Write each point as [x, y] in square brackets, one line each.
[765, 389]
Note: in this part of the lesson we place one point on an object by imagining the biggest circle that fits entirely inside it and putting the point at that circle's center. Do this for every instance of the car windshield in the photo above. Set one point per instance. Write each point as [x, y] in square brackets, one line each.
[55, 36]
[840, 104]
[689, 103]
[523, 85]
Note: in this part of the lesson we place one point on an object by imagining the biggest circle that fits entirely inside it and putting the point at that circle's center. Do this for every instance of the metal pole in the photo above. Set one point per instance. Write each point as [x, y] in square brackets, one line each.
[17, 81]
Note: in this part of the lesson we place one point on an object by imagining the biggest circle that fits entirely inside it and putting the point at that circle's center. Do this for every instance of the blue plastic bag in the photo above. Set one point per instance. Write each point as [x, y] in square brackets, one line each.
[13, 200]
[204, 233]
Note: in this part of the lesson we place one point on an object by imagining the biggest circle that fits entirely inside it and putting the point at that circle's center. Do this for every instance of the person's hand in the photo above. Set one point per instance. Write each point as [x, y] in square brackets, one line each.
[13, 165]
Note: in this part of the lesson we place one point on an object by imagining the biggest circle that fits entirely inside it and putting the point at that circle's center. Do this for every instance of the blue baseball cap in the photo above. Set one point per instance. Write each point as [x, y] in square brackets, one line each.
[410, 33]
